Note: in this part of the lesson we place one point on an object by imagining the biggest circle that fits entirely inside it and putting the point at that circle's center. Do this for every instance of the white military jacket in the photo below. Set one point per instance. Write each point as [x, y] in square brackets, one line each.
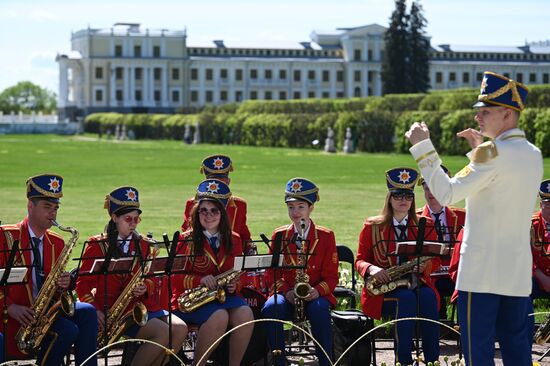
[500, 185]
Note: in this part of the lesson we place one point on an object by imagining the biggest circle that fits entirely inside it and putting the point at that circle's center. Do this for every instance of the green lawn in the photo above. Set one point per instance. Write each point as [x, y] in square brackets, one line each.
[166, 173]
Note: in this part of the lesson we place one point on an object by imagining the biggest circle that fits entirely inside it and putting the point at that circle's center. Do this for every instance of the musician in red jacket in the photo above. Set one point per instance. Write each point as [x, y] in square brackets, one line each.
[218, 167]
[376, 254]
[39, 249]
[448, 221]
[212, 247]
[540, 244]
[322, 268]
[121, 239]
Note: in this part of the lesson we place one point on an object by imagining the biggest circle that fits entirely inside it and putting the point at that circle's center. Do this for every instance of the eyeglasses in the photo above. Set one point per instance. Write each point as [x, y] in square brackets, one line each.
[402, 196]
[134, 219]
[214, 211]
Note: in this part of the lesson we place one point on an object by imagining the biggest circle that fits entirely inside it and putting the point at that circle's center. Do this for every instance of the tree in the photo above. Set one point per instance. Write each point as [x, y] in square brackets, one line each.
[394, 64]
[27, 97]
[419, 48]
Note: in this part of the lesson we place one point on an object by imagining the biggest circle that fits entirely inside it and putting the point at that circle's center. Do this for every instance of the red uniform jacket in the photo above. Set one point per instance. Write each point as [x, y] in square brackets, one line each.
[322, 263]
[455, 218]
[236, 211]
[91, 288]
[374, 244]
[540, 244]
[22, 294]
[198, 267]
[453, 266]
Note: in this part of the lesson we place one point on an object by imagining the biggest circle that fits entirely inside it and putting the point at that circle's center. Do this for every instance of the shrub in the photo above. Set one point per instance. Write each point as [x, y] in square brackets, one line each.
[432, 119]
[451, 124]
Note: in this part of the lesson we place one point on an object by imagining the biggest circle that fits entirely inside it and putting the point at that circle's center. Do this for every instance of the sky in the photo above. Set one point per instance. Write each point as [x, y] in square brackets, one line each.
[33, 32]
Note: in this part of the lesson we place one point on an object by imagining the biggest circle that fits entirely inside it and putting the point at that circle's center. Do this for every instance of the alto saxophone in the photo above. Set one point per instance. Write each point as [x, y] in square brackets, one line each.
[302, 288]
[201, 295]
[395, 273]
[118, 321]
[543, 333]
[29, 338]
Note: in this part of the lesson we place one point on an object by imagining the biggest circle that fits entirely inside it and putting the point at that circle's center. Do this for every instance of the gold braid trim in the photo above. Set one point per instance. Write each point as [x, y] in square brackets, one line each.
[44, 192]
[118, 202]
[512, 86]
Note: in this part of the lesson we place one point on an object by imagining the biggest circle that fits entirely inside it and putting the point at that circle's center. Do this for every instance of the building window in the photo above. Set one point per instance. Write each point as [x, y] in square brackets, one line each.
[253, 94]
[139, 95]
[282, 95]
[370, 76]
[466, 77]
[545, 78]
[357, 76]
[156, 95]
[209, 96]
[268, 74]
[194, 74]
[223, 74]
[326, 95]
[339, 94]
[452, 76]
[194, 96]
[297, 95]
[99, 72]
[209, 74]
[137, 51]
[238, 96]
[119, 71]
[357, 92]
[297, 76]
[239, 74]
[175, 74]
[138, 73]
[532, 77]
[156, 51]
[339, 76]
[311, 94]
[519, 77]
[118, 50]
[254, 74]
[356, 54]
[223, 96]
[479, 76]
[438, 77]
[282, 74]
[157, 71]
[369, 53]
[175, 96]
[268, 95]
[326, 76]
[119, 95]
[311, 74]
[99, 95]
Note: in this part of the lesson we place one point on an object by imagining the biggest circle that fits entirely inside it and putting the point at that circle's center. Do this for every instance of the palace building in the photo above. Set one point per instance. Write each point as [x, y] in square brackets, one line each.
[131, 70]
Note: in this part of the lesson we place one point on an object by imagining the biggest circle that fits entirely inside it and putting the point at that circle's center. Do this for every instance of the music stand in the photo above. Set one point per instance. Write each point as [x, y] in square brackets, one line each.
[11, 275]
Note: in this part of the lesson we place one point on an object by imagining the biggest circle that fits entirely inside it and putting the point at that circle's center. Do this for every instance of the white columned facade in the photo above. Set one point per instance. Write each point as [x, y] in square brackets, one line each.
[63, 98]
[112, 86]
[164, 86]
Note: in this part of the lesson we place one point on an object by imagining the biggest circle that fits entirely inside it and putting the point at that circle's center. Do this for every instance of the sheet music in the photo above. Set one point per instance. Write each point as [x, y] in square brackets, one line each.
[254, 262]
[17, 274]
[428, 247]
[118, 264]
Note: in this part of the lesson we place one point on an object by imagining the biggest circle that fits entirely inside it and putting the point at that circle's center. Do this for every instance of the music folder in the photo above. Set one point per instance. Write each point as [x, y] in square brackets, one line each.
[17, 274]
[428, 248]
[159, 263]
[123, 264]
[252, 262]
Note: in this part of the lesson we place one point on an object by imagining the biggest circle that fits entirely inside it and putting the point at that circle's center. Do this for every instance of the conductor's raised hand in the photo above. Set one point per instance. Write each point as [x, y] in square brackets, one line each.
[418, 132]
[474, 137]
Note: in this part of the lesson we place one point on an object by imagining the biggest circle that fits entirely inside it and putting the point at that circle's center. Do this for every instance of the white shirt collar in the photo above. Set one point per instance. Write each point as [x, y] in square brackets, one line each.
[33, 235]
[402, 222]
[306, 231]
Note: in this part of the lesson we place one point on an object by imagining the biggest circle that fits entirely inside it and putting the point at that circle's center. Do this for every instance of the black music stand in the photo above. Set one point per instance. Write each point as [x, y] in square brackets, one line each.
[11, 275]
[110, 264]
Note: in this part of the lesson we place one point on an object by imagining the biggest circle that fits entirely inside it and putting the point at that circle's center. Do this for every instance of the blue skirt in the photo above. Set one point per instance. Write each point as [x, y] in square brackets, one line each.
[134, 329]
[202, 314]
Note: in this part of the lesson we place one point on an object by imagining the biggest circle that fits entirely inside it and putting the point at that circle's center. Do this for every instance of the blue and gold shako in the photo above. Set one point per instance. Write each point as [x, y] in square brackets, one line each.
[401, 179]
[122, 198]
[213, 189]
[443, 167]
[301, 189]
[544, 190]
[45, 186]
[216, 166]
[498, 90]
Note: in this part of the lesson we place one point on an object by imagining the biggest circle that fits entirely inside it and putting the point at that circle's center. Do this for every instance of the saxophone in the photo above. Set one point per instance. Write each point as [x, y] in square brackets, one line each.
[543, 333]
[29, 338]
[395, 273]
[302, 288]
[118, 321]
[201, 295]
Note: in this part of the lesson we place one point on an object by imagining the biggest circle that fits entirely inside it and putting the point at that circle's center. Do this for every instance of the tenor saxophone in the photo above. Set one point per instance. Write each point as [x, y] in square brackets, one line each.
[302, 288]
[46, 308]
[201, 295]
[396, 275]
[118, 321]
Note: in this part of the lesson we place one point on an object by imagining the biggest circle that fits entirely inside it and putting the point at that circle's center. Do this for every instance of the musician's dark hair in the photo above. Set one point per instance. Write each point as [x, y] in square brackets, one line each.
[224, 228]
[386, 215]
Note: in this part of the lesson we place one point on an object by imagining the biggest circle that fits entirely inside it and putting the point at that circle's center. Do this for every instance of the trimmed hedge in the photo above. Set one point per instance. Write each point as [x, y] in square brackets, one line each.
[432, 119]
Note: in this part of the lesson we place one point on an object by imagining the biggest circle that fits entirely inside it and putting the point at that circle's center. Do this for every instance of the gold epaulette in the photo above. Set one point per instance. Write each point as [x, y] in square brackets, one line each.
[281, 228]
[322, 228]
[454, 209]
[237, 198]
[484, 152]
